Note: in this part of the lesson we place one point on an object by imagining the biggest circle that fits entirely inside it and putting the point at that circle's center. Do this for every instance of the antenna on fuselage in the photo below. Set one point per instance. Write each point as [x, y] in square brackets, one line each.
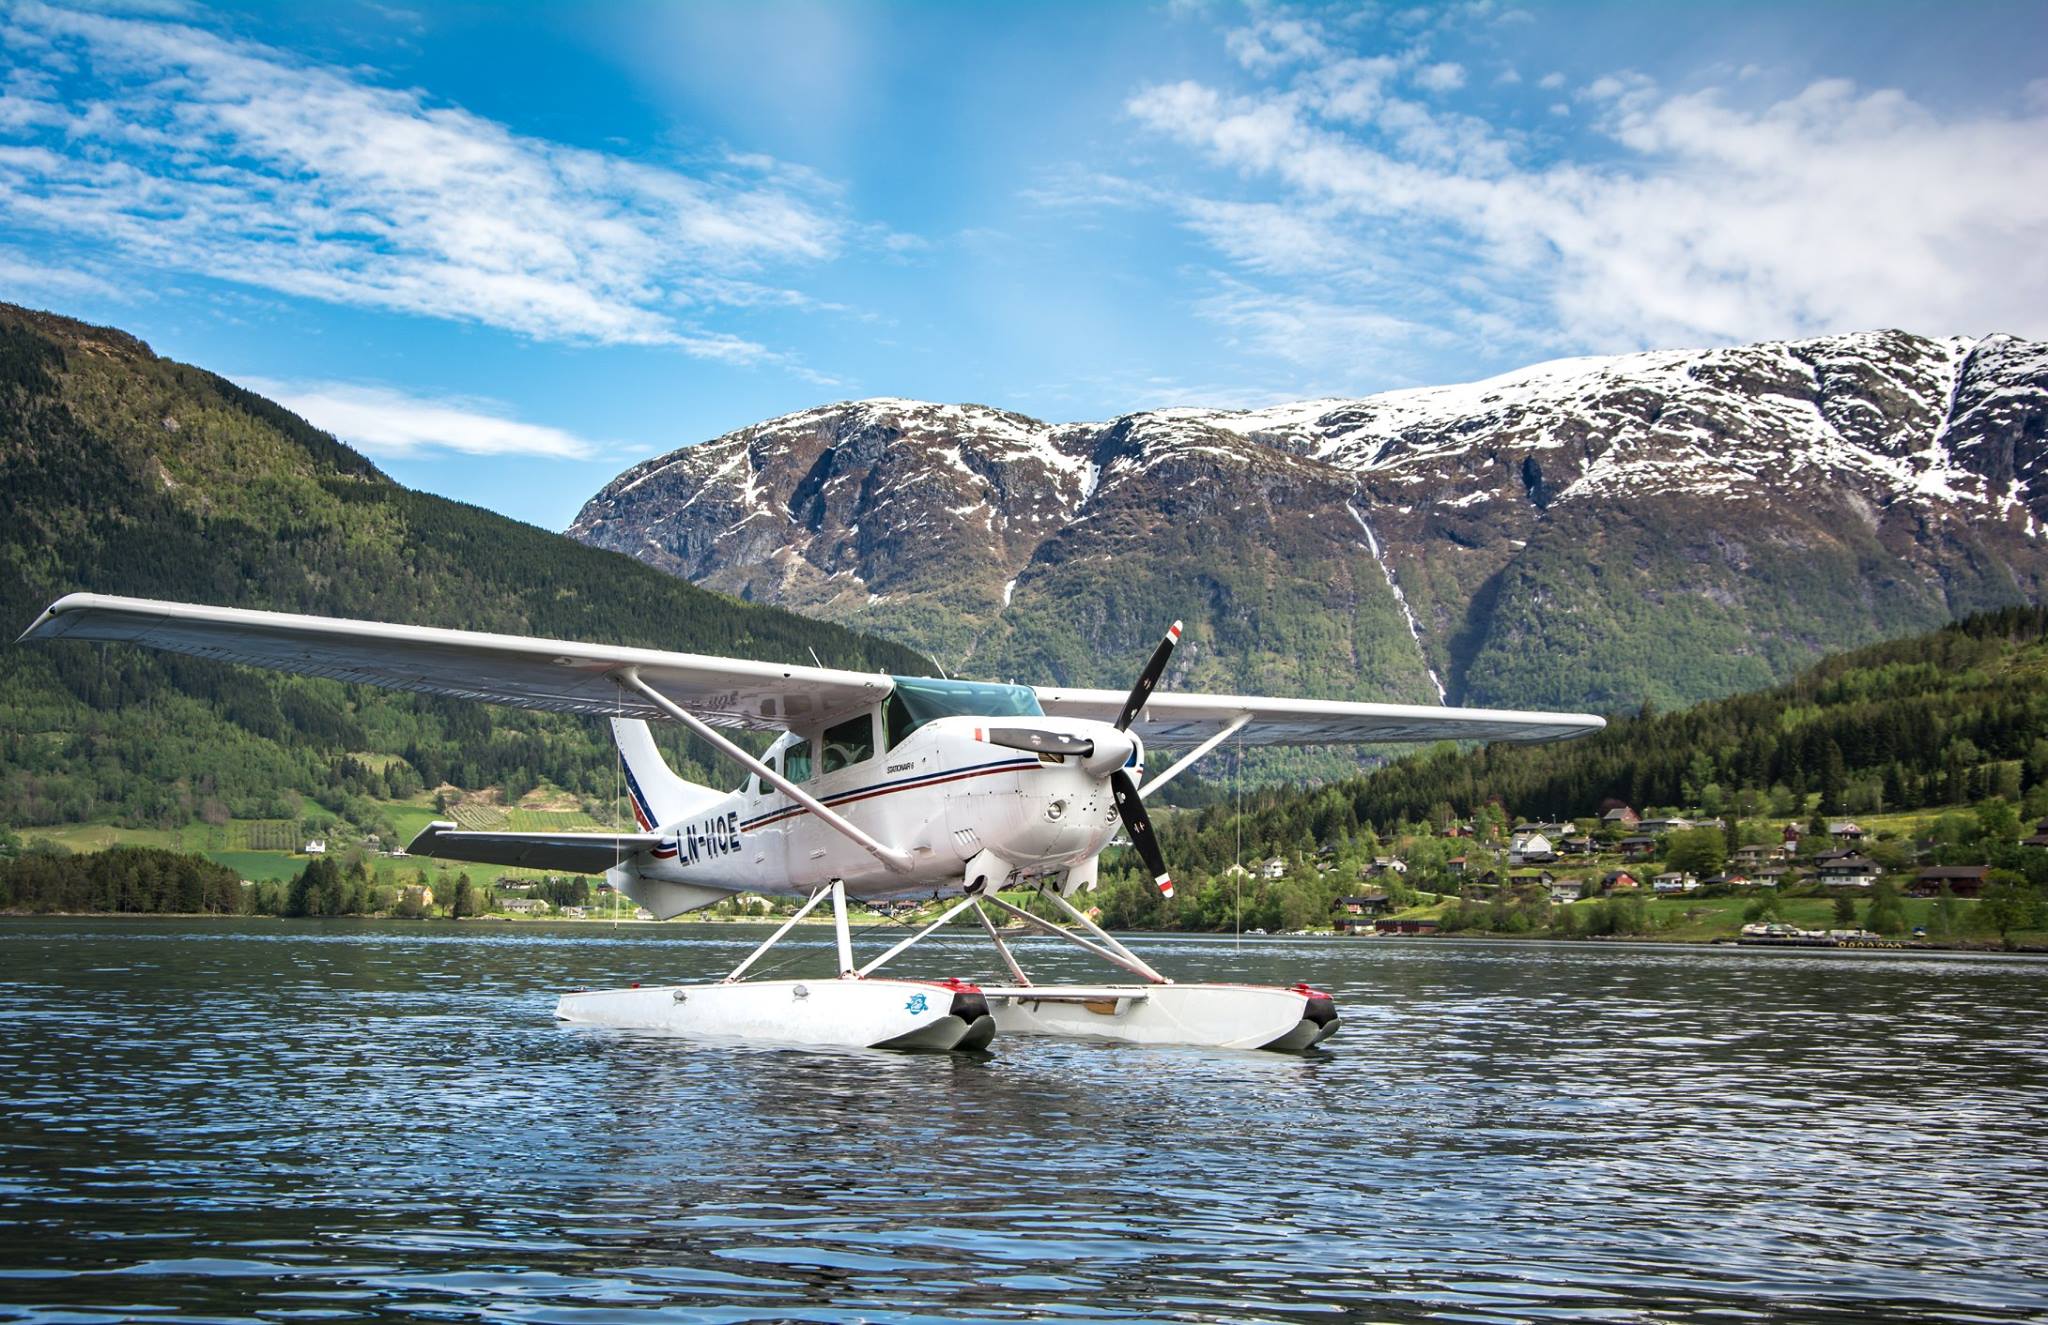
[814, 655]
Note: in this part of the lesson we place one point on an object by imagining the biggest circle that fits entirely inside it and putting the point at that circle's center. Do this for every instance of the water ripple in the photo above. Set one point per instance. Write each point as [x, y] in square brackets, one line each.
[260, 1121]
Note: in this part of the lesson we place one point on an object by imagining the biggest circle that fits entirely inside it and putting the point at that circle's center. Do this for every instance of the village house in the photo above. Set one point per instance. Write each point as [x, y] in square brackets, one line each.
[1457, 830]
[1456, 864]
[2040, 837]
[1273, 868]
[1531, 849]
[1387, 865]
[1752, 857]
[1575, 845]
[1674, 883]
[1845, 831]
[1848, 871]
[1770, 876]
[1659, 827]
[1791, 835]
[1622, 816]
[1962, 880]
[1409, 926]
[524, 906]
[1617, 881]
[1532, 879]
[1371, 902]
[1637, 848]
[1567, 890]
[316, 847]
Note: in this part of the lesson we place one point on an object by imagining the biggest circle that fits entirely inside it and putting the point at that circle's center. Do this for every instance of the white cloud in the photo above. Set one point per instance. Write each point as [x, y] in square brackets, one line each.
[187, 151]
[1551, 82]
[1274, 41]
[1697, 218]
[383, 422]
[22, 277]
[1445, 77]
[1323, 335]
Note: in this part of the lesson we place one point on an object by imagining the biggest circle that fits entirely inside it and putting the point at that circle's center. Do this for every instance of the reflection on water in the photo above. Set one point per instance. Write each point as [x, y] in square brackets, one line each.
[265, 1120]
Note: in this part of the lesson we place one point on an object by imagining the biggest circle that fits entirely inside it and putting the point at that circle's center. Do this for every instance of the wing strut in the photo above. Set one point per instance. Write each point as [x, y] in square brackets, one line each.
[1180, 765]
[899, 861]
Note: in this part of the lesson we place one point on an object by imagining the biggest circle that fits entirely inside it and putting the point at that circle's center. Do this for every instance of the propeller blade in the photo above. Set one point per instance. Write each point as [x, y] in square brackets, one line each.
[1026, 738]
[1149, 678]
[1139, 825]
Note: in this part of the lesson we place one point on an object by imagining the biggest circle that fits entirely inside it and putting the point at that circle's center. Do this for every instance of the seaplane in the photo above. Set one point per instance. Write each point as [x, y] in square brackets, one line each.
[874, 788]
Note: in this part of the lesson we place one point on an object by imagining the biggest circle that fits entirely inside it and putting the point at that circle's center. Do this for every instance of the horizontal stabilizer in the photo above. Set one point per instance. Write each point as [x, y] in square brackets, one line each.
[576, 853]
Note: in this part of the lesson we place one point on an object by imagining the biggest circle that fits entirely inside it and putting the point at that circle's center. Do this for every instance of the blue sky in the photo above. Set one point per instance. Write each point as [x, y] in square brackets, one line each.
[507, 251]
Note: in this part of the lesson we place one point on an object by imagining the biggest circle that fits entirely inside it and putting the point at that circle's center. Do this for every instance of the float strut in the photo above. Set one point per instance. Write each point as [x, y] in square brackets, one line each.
[1003, 948]
[950, 912]
[776, 937]
[1102, 934]
[839, 928]
[1131, 964]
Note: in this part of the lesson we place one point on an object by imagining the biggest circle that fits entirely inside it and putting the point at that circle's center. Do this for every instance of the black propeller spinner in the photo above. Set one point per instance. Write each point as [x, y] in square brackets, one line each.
[1128, 806]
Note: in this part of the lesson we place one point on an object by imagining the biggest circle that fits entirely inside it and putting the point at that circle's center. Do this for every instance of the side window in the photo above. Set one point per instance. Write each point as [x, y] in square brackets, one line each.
[796, 761]
[849, 743]
[897, 723]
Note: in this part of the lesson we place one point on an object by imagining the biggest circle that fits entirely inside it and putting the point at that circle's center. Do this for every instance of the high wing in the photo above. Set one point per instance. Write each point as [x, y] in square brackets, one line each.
[465, 664]
[1172, 721]
[577, 853]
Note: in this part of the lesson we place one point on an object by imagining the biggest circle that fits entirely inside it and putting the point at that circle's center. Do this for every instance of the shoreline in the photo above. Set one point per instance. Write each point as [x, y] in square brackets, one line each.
[1900, 948]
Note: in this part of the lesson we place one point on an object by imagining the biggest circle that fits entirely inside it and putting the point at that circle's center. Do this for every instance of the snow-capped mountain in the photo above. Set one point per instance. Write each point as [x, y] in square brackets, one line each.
[1604, 531]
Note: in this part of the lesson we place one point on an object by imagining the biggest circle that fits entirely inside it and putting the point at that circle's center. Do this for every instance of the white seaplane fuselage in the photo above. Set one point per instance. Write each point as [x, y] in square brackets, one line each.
[942, 796]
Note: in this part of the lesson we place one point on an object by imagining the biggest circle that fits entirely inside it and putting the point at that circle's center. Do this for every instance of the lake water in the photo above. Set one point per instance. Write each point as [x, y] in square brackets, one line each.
[247, 1120]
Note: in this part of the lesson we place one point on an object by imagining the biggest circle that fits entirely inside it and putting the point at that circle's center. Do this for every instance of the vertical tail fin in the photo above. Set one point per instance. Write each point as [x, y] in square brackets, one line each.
[658, 796]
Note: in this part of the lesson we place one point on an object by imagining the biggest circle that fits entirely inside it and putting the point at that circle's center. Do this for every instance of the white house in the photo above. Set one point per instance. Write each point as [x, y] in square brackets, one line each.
[1276, 868]
[1531, 849]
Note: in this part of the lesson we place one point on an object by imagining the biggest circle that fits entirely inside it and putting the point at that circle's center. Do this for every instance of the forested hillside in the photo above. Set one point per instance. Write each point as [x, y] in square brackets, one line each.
[1951, 718]
[123, 472]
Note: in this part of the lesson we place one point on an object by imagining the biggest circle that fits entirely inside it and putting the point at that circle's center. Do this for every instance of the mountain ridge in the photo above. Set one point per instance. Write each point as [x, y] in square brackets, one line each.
[1596, 532]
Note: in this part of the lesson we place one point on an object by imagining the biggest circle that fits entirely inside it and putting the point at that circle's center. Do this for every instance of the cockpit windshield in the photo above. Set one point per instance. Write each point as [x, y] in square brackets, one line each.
[917, 700]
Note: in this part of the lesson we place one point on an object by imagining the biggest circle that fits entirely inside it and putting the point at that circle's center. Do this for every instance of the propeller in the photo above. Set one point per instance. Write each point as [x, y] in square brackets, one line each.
[1043, 742]
[1129, 807]
[1148, 678]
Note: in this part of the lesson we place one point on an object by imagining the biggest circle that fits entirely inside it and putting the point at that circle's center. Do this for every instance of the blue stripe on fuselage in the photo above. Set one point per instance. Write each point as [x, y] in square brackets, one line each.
[878, 788]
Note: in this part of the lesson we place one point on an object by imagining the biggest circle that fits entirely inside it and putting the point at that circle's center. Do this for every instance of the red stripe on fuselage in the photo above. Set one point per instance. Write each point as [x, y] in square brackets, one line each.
[832, 802]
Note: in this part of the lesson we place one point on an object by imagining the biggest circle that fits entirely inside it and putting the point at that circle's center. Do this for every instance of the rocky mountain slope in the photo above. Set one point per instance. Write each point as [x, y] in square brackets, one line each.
[1599, 532]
